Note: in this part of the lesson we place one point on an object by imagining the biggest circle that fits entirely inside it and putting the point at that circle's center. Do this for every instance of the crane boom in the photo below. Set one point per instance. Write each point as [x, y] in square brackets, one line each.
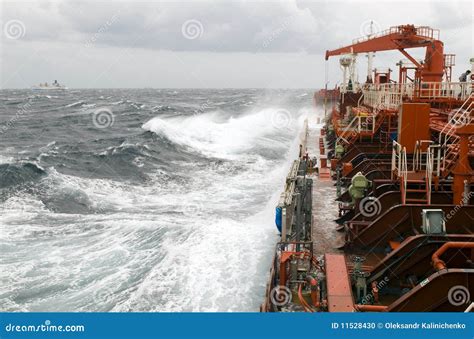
[401, 38]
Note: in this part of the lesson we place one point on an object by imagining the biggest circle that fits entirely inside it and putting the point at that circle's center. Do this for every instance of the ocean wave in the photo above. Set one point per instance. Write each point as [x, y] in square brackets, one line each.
[130, 218]
[16, 174]
[127, 149]
[214, 135]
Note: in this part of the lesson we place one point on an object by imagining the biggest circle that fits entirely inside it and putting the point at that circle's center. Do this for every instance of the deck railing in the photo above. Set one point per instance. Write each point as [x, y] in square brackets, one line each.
[425, 31]
[390, 96]
[443, 90]
[359, 124]
[461, 117]
[430, 170]
[399, 161]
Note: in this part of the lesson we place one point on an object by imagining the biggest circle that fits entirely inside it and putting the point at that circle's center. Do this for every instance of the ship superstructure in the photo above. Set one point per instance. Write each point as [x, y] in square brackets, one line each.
[378, 214]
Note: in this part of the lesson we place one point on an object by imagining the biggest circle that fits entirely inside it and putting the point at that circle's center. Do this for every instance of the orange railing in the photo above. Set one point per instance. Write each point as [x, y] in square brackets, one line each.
[423, 31]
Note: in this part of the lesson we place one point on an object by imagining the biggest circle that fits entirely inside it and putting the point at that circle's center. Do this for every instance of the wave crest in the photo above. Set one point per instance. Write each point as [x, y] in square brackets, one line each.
[214, 134]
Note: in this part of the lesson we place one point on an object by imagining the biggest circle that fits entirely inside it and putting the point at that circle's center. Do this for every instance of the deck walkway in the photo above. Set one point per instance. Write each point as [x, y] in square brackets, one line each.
[325, 209]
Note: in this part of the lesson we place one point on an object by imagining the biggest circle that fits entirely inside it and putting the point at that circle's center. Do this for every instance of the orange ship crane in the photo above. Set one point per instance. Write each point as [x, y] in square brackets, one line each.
[401, 38]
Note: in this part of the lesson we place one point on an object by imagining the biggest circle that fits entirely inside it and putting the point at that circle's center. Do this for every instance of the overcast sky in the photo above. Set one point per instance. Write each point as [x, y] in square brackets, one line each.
[90, 44]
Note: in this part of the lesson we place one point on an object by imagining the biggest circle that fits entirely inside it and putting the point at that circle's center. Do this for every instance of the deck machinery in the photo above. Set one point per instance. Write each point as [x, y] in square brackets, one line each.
[400, 154]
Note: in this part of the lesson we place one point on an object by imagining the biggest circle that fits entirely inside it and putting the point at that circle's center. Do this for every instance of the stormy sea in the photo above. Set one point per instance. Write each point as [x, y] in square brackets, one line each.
[142, 200]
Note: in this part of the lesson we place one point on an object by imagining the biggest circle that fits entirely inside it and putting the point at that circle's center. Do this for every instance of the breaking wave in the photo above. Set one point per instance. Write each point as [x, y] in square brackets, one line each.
[166, 210]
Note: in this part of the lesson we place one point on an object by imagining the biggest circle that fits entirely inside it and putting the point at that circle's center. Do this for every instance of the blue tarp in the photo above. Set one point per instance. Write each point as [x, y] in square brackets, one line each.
[278, 218]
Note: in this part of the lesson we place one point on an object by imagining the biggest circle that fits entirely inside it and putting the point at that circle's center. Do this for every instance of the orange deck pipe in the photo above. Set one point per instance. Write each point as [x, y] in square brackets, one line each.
[371, 308]
[313, 284]
[303, 302]
[439, 264]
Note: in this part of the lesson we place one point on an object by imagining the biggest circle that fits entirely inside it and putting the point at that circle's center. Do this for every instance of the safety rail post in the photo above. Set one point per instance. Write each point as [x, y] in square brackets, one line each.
[418, 154]
[399, 163]
[436, 159]
[404, 174]
[429, 173]
[395, 158]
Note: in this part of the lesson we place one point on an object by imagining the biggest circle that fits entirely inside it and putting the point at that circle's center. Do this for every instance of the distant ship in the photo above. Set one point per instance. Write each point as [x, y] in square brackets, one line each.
[54, 86]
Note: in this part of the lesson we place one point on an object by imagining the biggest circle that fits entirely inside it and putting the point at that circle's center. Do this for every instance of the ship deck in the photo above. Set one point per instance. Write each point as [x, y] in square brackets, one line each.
[325, 209]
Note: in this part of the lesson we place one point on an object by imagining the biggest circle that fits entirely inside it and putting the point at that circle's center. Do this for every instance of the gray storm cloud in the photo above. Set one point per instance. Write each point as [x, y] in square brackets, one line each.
[98, 32]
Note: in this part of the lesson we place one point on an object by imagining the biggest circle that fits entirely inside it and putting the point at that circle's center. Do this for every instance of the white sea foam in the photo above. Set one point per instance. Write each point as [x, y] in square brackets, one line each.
[215, 136]
[74, 104]
[201, 246]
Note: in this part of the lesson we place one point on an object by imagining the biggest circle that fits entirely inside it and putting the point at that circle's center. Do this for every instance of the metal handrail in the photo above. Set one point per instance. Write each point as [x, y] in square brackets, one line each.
[424, 31]
[391, 95]
[462, 116]
[404, 166]
[418, 154]
[459, 117]
[396, 151]
[399, 163]
[429, 173]
[357, 125]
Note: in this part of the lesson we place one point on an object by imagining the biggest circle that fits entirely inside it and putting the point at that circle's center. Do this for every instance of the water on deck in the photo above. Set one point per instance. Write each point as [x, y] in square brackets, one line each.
[325, 209]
